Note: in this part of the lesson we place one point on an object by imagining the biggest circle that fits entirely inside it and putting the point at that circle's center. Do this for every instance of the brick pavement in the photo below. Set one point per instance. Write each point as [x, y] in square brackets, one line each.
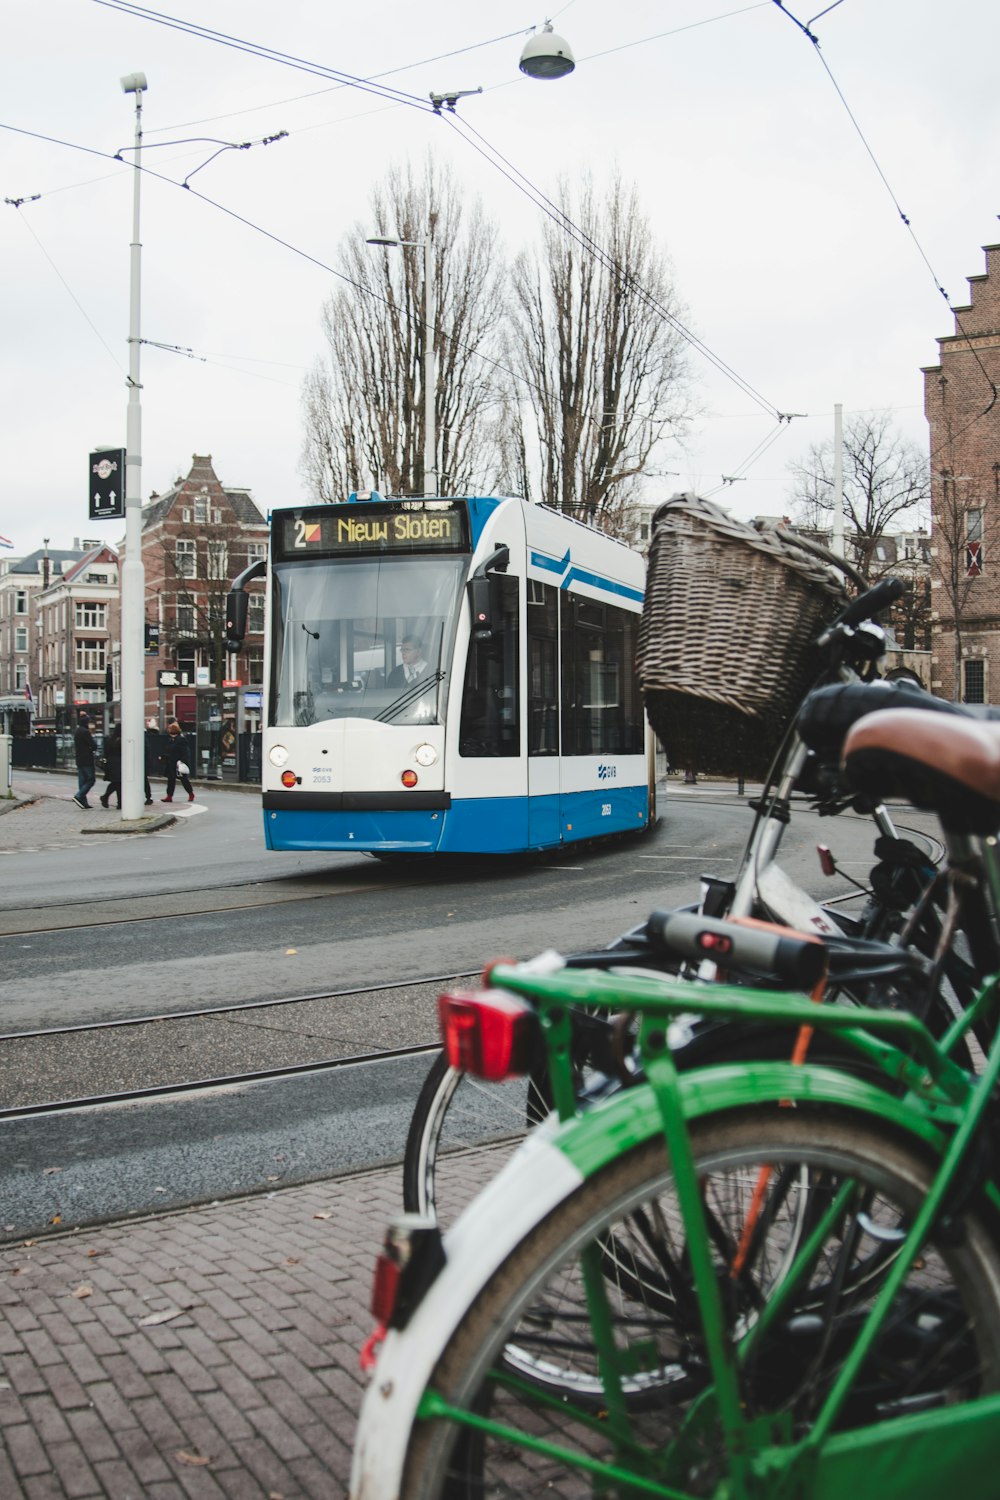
[210, 1353]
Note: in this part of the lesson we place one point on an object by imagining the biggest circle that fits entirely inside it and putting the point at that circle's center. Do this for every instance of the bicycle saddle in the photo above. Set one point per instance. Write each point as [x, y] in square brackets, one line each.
[948, 764]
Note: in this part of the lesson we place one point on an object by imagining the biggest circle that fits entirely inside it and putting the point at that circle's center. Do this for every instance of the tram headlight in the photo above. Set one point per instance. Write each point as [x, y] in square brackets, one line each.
[409, 778]
[425, 755]
[278, 756]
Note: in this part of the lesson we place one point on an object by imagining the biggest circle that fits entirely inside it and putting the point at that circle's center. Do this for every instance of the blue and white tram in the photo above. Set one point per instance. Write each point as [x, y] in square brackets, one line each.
[523, 726]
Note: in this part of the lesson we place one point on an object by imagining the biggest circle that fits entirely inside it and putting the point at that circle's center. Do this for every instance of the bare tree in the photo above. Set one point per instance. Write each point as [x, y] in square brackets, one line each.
[598, 354]
[886, 480]
[364, 401]
[966, 537]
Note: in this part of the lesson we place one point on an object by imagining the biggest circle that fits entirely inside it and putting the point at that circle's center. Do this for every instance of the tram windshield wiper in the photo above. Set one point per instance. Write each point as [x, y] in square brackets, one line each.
[409, 696]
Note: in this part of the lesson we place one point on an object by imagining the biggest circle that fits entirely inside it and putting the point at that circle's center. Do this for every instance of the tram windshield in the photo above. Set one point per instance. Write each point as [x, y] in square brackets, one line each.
[364, 638]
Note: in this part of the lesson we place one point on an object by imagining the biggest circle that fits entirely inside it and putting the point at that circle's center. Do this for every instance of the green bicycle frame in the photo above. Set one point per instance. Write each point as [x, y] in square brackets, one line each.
[942, 1108]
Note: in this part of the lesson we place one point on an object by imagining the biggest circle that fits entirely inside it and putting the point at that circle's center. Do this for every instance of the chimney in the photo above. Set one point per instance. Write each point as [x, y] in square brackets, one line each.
[45, 564]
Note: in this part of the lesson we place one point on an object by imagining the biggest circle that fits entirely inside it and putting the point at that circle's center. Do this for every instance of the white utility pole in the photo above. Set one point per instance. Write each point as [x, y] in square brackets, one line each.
[133, 577]
[837, 539]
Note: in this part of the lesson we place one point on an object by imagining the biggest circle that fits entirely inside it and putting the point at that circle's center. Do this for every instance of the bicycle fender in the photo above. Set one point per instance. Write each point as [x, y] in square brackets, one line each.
[631, 1117]
[552, 1162]
[533, 1182]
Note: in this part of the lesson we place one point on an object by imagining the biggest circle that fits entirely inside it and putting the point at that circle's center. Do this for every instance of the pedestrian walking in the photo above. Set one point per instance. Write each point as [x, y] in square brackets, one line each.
[113, 765]
[177, 763]
[84, 753]
[149, 758]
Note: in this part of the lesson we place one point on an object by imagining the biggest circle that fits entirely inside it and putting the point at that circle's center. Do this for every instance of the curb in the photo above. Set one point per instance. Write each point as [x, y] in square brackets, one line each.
[151, 824]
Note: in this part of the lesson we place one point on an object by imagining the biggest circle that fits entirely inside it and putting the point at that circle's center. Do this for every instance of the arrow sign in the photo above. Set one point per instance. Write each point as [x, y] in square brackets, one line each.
[106, 474]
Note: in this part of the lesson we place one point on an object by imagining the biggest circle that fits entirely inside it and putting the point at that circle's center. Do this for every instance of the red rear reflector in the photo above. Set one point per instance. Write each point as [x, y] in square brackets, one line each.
[409, 778]
[385, 1287]
[487, 1033]
[288, 778]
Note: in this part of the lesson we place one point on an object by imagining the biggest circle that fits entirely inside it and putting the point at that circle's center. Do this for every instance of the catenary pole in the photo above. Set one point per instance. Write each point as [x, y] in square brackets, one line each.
[133, 686]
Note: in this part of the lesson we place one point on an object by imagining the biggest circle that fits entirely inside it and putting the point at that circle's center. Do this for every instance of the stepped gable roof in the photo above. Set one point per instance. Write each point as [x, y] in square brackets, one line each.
[201, 473]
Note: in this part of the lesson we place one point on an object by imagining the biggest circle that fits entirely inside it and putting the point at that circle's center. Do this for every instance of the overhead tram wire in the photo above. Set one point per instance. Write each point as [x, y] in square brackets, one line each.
[804, 27]
[489, 153]
[276, 239]
[752, 457]
[267, 54]
[580, 236]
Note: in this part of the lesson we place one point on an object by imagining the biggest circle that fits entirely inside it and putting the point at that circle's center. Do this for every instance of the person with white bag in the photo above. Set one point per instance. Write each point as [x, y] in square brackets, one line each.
[175, 759]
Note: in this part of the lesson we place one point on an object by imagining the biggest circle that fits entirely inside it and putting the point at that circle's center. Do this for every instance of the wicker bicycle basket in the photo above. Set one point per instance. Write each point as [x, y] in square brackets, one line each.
[727, 636]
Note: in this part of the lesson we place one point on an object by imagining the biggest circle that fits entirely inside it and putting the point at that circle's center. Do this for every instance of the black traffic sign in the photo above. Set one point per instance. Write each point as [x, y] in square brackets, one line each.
[107, 484]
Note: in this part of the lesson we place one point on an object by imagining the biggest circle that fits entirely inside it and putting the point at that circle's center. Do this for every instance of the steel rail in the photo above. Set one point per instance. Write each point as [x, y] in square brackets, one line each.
[226, 1010]
[230, 1080]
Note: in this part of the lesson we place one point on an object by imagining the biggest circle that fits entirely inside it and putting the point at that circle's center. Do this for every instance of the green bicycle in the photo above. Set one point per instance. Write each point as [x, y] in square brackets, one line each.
[778, 1280]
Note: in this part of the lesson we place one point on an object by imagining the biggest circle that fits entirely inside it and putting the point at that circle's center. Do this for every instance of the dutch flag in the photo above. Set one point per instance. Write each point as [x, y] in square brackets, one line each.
[5, 542]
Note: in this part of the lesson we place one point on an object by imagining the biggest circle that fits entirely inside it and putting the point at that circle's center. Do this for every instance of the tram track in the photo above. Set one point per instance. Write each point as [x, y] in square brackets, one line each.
[123, 910]
[152, 1057]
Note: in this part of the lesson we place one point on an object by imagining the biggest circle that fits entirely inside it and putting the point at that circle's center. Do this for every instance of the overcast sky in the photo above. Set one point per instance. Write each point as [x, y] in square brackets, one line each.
[787, 244]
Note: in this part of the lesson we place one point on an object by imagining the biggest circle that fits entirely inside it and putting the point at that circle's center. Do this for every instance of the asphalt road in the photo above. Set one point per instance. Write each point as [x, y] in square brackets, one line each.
[200, 915]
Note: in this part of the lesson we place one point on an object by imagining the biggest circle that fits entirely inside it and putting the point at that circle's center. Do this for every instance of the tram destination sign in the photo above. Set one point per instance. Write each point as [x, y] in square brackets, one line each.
[403, 527]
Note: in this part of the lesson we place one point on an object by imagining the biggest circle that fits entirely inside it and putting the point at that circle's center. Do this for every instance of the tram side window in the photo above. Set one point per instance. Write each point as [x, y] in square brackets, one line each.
[490, 698]
[601, 706]
[543, 668]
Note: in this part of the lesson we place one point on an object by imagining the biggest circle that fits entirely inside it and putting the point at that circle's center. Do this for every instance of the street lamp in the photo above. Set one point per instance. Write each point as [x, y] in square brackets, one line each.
[430, 374]
[546, 55]
[133, 683]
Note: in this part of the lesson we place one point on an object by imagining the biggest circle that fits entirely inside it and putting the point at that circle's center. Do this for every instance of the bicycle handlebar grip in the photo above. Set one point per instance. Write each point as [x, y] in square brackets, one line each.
[798, 961]
[867, 605]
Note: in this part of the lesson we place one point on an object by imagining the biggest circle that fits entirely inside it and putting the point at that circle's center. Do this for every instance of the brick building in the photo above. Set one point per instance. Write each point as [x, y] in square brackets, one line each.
[963, 411]
[195, 539]
[76, 629]
[23, 580]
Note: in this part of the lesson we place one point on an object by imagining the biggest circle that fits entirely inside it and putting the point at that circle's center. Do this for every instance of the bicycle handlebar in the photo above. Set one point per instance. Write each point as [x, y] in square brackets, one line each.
[866, 606]
[798, 961]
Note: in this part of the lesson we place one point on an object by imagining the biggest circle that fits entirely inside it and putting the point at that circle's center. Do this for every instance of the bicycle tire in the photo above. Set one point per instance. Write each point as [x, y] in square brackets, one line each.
[942, 1343]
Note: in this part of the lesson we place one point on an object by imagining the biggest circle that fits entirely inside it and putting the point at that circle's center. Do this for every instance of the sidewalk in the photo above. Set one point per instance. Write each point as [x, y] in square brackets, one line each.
[207, 1353]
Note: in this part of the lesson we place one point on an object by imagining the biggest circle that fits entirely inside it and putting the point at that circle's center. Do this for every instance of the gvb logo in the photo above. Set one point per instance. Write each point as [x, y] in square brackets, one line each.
[607, 773]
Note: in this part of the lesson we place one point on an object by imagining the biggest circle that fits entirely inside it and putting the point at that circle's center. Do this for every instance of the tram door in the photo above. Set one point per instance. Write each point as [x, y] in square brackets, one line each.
[542, 714]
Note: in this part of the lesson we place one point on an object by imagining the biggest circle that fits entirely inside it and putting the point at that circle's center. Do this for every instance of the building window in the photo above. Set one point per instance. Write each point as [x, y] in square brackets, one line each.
[91, 616]
[185, 515]
[256, 551]
[218, 560]
[21, 602]
[185, 619]
[91, 656]
[185, 559]
[96, 578]
[255, 617]
[255, 667]
[20, 638]
[973, 544]
[217, 518]
[20, 676]
[974, 672]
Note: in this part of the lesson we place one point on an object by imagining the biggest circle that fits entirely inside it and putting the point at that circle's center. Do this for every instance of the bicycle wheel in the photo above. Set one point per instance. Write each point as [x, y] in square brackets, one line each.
[941, 1343]
[461, 1132]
